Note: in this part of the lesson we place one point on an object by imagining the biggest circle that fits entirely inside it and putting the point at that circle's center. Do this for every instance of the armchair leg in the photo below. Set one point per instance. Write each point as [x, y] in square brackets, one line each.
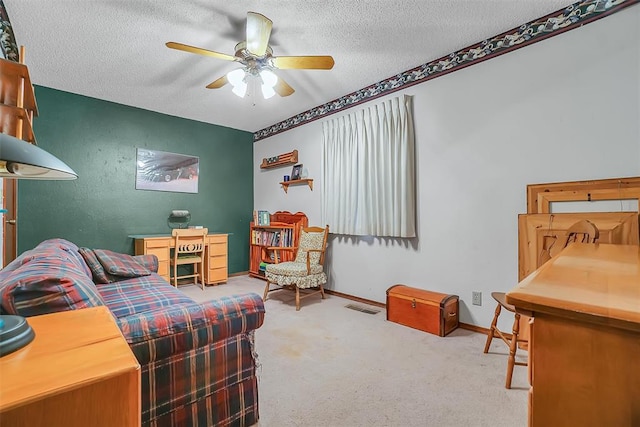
[297, 298]
[266, 291]
[321, 291]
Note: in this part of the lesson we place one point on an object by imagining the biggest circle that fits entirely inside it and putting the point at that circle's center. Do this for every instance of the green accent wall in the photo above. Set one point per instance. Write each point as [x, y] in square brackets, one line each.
[98, 139]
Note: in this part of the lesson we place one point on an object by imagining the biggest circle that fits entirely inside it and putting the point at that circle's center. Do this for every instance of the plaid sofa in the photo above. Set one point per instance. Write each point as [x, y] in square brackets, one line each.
[198, 360]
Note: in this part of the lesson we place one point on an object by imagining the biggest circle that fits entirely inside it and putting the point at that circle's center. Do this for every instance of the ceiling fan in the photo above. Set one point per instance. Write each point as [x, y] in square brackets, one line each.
[256, 57]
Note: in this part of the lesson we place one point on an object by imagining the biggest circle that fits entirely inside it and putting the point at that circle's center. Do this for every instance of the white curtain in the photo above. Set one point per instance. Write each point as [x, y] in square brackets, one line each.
[368, 175]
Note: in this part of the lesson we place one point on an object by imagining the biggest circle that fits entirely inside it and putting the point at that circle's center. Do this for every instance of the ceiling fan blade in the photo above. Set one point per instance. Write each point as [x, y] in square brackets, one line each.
[258, 33]
[200, 51]
[303, 62]
[282, 88]
[218, 83]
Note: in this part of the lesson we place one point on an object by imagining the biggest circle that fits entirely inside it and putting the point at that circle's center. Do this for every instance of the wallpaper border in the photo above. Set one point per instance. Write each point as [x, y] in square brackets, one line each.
[571, 17]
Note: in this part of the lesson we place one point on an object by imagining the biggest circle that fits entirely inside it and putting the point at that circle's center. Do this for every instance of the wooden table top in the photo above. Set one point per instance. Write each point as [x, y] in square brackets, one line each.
[599, 283]
[70, 349]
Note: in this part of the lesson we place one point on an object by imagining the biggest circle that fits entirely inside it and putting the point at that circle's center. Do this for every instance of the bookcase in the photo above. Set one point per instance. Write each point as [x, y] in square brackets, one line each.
[283, 231]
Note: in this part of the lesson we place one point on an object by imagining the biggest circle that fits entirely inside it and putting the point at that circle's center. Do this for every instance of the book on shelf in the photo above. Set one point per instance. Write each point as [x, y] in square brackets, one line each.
[264, 218]
[282, 238]
[261, 218]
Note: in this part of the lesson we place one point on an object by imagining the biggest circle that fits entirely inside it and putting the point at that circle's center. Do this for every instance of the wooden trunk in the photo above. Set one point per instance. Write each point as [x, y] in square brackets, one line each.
[427, 311]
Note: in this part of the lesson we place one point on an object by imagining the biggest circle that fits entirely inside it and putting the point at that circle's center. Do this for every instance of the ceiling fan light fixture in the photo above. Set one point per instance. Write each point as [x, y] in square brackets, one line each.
[237, 80]
[267, 91]
[240, 89]
[236, 77]
[269, 78]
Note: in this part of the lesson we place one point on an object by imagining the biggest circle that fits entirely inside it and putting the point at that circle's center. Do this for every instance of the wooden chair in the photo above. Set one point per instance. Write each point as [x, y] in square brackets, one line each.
[511, 341]
[306, 271]
[582, 231]
[189, 249]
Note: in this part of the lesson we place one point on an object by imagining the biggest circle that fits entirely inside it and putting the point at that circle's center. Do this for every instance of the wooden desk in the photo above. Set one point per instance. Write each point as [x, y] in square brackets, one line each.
[78, 371]
[215, 263]
[585, 336]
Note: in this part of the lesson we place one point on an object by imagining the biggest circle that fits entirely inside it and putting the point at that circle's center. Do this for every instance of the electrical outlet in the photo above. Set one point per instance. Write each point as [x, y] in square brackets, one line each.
[476, 298]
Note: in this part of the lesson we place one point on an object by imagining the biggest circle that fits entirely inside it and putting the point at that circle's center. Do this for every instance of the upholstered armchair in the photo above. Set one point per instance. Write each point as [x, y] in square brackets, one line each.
[306, 271]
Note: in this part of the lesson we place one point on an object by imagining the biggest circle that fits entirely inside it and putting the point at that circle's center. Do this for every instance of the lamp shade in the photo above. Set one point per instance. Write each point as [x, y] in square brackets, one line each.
[21, 160]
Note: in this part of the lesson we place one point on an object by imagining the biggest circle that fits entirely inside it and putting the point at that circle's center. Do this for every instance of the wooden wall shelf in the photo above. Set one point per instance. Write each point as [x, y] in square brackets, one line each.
[285, 159]
[286, 184]
[17, 100]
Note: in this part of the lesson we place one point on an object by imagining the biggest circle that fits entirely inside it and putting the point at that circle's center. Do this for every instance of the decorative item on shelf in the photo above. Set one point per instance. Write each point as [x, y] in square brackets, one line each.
[285, 159]
[296, 172]
[179, 219]
[263, 218]
[286, 178]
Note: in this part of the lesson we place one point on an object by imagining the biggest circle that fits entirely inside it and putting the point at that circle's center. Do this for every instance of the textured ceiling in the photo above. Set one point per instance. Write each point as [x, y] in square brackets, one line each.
[115, 49]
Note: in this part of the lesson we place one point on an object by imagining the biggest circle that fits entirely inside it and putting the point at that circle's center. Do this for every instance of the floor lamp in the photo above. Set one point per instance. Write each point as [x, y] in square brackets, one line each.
[22, 160]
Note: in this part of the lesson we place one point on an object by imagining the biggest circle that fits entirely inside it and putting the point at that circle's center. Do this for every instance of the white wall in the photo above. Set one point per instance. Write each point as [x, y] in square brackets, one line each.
[566, 108]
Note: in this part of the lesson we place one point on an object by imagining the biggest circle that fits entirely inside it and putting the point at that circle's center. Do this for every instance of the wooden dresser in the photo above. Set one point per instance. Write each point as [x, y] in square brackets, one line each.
[585, 336]
[78, 371]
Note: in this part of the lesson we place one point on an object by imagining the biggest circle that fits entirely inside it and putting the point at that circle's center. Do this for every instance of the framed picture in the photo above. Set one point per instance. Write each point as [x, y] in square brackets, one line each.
[162, 171]
[296, 172]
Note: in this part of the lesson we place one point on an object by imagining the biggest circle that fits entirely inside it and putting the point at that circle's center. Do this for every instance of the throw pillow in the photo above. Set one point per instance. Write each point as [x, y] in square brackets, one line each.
[120, 264]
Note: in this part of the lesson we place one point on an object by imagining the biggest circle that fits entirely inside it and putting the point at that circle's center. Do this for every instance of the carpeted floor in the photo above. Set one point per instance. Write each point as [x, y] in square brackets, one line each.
[328, 365]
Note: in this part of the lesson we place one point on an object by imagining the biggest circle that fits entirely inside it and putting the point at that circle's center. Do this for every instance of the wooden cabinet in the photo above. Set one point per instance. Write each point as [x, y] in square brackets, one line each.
[283, 231]
[216, 261]
[78, 371]
[585, 336]
[160, 245]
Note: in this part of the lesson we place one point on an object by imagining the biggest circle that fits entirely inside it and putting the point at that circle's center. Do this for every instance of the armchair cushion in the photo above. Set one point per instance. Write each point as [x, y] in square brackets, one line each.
[291, 268]
[312, 240]
[295, 273]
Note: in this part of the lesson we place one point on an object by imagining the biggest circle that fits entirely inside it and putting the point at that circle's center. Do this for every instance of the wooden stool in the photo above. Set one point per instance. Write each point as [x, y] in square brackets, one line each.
[512, 342]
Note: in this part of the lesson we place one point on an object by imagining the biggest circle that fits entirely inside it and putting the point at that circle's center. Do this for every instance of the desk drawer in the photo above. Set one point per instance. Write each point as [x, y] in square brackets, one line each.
[161, 253]
[157, 243]
[217, 275]
[217, 262]
[163, 268]
[217, 238]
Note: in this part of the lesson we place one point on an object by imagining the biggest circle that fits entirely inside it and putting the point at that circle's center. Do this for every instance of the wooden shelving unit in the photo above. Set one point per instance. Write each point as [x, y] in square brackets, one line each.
[286, 184]
[281, 222]
[17, 100]
[285, 159]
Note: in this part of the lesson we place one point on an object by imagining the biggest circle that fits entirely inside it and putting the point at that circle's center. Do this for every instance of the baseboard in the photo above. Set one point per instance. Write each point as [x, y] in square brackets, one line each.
[240, 273]
[354, 298]
[474, 328]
